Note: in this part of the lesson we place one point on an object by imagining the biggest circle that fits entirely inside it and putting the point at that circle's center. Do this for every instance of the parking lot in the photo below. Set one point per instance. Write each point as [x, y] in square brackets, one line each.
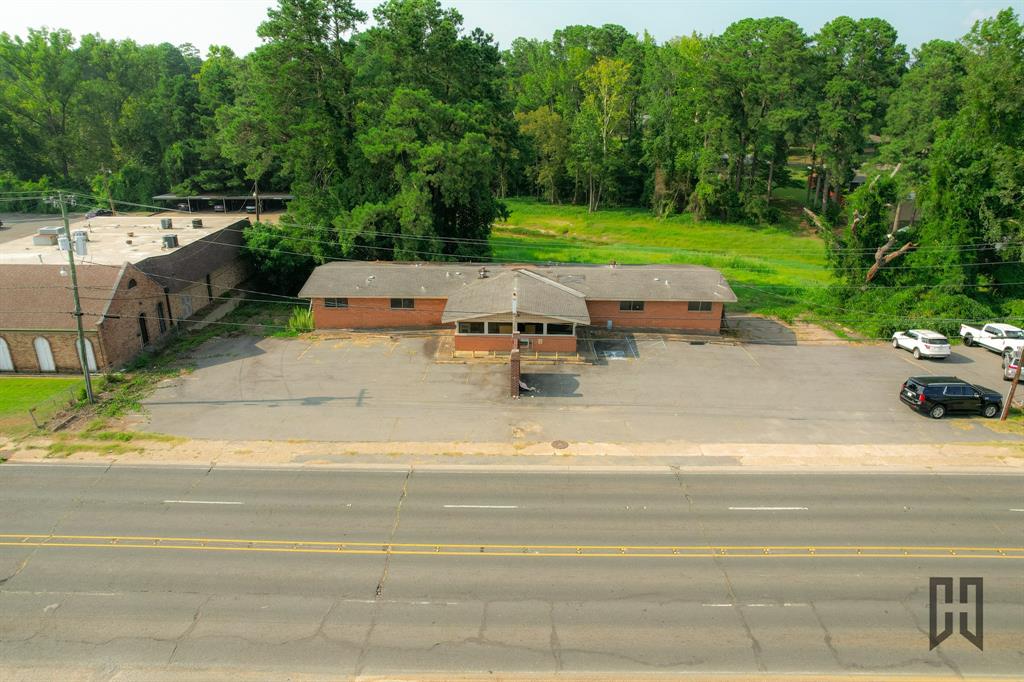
[645, 388]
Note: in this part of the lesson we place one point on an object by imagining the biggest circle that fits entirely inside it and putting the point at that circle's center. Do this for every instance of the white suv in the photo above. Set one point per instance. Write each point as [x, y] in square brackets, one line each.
[922, 343]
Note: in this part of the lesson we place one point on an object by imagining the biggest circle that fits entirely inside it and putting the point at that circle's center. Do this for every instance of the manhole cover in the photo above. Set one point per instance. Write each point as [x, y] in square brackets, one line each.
[559, 444]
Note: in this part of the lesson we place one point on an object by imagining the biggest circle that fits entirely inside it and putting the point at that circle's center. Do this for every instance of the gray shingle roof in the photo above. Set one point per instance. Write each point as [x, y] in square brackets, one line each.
[534, 294]
[181, 268]
[39, 297]
[441, 280]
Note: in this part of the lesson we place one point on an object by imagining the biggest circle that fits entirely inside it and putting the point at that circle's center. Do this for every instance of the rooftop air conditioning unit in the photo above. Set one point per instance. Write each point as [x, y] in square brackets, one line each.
[84, 233]
[170, 241]
[197, 223]
[165, 223]
[63, 244]
[81, 242]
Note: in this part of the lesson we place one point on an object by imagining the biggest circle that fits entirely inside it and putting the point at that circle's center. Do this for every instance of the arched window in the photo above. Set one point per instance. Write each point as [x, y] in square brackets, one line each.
[132, 284]
[6, 363]
[90, 356]
[44, 355]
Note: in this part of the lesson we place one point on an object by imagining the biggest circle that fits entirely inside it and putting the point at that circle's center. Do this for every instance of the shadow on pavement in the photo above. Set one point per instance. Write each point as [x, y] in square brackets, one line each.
[551, 386]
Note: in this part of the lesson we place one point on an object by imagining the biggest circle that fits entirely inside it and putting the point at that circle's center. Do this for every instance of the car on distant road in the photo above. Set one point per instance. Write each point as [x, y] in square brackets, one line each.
[939, 396]
[218, 208]
[997, 337]
[922, 343]
[99, 212]
[250, 208]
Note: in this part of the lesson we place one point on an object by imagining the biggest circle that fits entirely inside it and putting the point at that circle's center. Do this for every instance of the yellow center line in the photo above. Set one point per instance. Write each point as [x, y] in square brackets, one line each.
[458, 549]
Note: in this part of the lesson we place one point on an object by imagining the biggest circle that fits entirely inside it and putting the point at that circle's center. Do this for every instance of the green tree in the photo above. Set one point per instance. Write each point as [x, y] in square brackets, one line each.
[599, 127]
[549, 137]
[860, 63]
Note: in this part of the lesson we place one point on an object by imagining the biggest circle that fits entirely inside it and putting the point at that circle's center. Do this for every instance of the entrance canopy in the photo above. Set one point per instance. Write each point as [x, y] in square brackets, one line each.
[534, 295]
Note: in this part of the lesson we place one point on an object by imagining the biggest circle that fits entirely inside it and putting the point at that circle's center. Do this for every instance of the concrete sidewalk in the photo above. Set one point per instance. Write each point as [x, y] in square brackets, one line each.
[1007, 457]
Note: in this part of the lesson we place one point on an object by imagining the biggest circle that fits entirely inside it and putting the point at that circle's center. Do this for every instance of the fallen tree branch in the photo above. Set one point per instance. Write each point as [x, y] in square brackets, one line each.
[883, 257]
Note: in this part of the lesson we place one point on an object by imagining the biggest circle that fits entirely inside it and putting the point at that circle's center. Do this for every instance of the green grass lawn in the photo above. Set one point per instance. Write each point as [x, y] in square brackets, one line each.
[18, 394]
[769, 267]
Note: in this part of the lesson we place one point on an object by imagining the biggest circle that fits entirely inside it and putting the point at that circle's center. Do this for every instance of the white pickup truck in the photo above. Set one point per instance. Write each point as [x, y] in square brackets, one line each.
[997, 337]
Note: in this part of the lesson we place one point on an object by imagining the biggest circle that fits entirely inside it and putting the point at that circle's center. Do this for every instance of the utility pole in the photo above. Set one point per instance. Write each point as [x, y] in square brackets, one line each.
[74, 289]
[110, 198]
[1016, 359]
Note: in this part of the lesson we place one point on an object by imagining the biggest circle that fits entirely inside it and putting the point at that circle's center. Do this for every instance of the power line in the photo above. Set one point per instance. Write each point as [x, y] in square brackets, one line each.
[572, 244]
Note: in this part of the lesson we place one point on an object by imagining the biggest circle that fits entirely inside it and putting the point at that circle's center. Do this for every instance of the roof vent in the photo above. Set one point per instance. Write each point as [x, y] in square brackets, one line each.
[482, 274]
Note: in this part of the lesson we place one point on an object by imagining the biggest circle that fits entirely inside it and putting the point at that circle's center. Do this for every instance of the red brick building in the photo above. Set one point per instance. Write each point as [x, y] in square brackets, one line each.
[139, 279]
[546, 304]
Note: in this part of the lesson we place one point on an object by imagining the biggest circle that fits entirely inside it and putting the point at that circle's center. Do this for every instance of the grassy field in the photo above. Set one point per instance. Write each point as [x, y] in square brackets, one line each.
[769, 267]
[18, 394]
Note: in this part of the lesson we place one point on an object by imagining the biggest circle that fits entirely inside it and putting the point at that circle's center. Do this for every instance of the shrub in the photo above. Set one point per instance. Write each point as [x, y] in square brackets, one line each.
[301, 320]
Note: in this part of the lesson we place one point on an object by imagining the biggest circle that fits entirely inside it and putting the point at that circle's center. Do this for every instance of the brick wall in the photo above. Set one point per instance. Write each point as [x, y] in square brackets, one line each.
[120, 332]
[656, 315]
[193, 297]
[497, 342]
[369, 313]
[62, 346]
[115, 339]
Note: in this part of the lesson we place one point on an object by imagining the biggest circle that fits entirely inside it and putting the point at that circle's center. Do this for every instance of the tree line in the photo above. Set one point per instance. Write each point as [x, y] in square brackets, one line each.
[401, 137]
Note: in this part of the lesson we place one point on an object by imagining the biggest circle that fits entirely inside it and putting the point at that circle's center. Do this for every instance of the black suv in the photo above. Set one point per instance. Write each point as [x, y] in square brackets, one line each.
[935, 396]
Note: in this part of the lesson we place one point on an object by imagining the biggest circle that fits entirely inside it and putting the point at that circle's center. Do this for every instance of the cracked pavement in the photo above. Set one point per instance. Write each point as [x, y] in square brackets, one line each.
[108, 610]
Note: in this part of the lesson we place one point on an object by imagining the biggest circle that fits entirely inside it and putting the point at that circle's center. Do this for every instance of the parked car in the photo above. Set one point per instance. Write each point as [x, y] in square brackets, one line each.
[1011, 361]
[922, 343]
[218, 208]
[997, 337]
[937, 396]
[250, 208]
[99, 212]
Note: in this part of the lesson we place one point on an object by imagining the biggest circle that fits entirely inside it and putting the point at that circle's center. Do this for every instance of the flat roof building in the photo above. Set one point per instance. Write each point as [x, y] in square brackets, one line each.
[139, 278]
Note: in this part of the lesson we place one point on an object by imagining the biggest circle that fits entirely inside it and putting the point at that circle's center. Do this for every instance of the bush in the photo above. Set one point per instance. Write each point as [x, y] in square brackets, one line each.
[301, 320]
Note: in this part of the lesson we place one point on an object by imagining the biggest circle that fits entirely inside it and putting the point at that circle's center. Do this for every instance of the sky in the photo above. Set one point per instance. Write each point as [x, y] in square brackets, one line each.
[233, 22]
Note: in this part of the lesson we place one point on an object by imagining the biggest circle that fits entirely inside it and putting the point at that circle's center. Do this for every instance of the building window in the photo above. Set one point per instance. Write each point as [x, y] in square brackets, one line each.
[90, 356]
[559, 329]
[44, 356]
[699, 306]
[132, 284]
[337, 303]
[6, 362]
[403, 303]
[499, 327]
[160, 319]
[530, 328]
[631, 306]
[471, 327]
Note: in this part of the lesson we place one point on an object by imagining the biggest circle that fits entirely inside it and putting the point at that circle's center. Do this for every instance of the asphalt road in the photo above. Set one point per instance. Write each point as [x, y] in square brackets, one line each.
[173, 571]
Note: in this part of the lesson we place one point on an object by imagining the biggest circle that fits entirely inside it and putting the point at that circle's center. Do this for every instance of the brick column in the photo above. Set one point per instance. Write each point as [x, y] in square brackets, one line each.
[514, 366]
[514, 372]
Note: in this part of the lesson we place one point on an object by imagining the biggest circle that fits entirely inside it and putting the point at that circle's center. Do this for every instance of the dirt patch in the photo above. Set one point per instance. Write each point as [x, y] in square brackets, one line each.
[769, 330]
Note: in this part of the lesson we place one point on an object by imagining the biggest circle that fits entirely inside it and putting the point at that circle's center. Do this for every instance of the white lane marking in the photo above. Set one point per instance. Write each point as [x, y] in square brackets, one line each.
[768, 508]
[481, 506]
[199, 502]
[1020, 510]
